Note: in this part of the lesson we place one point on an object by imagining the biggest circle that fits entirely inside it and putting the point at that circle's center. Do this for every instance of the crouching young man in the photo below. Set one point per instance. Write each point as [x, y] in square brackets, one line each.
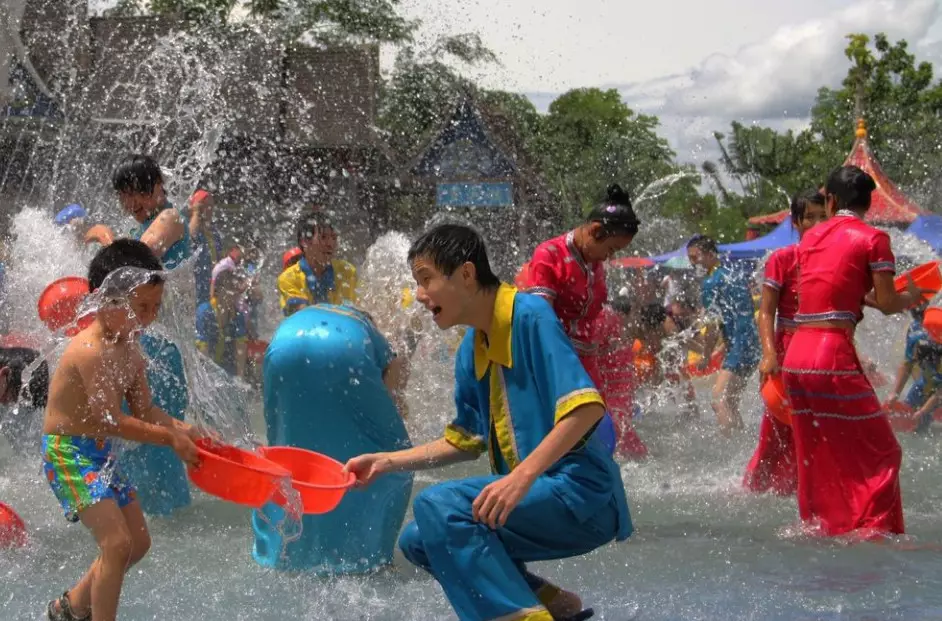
[524, 398]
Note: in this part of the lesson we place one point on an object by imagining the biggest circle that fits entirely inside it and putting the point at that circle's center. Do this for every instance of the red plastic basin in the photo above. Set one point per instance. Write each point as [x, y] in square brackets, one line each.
[236, 475]
[317, 478]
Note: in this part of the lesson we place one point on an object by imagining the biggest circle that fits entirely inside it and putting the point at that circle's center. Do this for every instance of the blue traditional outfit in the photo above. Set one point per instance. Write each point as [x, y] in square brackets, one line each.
[925, 355]
[156, 470]
[207, 250]
[299, 286]
[511, 388]
[726, 294]
[324, 392]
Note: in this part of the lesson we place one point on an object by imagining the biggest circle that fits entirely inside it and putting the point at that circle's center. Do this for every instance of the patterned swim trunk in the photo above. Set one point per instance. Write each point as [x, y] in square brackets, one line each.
[82, 471]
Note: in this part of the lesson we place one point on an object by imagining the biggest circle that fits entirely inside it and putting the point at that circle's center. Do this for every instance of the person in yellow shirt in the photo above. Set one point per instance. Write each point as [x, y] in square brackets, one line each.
[318, 277]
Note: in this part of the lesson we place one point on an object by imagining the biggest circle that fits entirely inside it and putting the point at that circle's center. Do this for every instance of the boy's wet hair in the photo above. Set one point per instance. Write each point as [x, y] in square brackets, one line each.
[449, 246]
[704, 243]
[801, 200]
[137, 174]
[615, 214]
[852, 187]
[123, 253]
[17, 359]
[310, 224]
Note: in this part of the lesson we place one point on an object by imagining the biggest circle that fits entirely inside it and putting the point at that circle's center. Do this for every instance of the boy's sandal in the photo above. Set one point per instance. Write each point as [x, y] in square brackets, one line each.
[64, 611]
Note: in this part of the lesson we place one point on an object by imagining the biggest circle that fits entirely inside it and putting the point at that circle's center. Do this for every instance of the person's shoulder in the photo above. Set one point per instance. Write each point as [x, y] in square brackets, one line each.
[550, 246]
[530, 307]
[784, 255]
[344, 267]
[290, 275]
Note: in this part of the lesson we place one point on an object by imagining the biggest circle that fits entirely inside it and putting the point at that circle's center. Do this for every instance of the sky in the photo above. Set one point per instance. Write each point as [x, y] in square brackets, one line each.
[697, 65]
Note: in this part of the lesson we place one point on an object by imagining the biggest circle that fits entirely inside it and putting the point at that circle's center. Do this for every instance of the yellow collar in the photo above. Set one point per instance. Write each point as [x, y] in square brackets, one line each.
[497, 348]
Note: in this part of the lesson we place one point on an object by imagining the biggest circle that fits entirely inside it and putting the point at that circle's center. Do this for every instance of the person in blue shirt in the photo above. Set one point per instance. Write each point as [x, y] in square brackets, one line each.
[922, 361]
[139, 184]
[221, 331]
[522, 397]
[206, 242]
[725, 295]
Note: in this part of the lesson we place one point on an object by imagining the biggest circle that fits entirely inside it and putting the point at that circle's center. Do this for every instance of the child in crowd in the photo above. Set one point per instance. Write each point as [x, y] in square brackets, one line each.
[317, 277]
[725, 295]
[100, 367]
[922, 361]
[221, 331]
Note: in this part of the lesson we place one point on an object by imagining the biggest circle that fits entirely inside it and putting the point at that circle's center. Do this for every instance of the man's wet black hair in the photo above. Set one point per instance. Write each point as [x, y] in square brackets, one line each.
[449, 246]
[704, 243]
[137, 174]
[852, 187]
[615, 214]
[123, 253]
[17, 359]
[800, 202]
[310, 224]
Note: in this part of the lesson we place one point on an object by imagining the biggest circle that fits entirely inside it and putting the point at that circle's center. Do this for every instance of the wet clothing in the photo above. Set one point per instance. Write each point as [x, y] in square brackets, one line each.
[82, 472]
[925, 355]
[324, 392]
[156, 470]
[616, 361]
[773, 467]
[220, 341]
[298, 286]
[208, 252]
[848, 457]
[510, 391]
[726, 294]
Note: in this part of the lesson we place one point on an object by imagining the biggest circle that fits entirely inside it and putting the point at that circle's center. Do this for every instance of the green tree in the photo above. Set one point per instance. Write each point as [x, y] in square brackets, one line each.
[317, 21]
[591, 139]
[424, 87]
[903, 107]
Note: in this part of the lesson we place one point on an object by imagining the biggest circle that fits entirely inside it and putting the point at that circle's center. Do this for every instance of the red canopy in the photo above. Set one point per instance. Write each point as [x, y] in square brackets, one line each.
[888, 205]
[770, 218]
[632, 262]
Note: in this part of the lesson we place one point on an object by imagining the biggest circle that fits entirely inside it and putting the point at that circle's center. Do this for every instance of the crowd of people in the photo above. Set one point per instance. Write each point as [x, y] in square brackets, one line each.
[542, 369]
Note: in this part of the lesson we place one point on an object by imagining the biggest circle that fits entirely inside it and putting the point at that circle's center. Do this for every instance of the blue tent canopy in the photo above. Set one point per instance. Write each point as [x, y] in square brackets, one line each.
[783, 235]
[928, 228]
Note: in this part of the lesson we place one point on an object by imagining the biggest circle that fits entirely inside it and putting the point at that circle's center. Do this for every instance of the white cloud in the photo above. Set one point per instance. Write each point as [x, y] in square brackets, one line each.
[778, 77]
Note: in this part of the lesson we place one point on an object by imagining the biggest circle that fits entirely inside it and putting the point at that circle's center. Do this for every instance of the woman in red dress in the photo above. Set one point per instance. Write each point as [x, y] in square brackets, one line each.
[568, 271]
[847, 456]
[772, 466]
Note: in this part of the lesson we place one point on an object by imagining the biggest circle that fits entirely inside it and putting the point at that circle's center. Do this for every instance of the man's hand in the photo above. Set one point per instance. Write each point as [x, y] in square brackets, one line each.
[367, 467]
[768, 366]
[183, 446]
[496, 501]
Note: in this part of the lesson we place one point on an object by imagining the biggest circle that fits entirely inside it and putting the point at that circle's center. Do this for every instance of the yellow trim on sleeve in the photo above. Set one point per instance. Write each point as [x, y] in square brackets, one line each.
[464, 440]
[577, 398]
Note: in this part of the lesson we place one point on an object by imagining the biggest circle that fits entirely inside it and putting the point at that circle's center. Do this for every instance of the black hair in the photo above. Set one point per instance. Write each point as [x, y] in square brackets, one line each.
[621, 304]
[852, 188]
[138, 174]
[653, 315]
[17, 359]
[449, 246]
[123, 253]
[310, 224]
[615, 214]
[801, 201]
[704, 243]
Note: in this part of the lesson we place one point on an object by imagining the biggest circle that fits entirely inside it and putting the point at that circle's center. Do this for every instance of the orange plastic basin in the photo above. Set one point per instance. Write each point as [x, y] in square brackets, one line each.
[59, 302]
[12, 528]
[716, 361]
[926, 276]
[236, 475]
[776, 400]
[317, 478]
[932, 322]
